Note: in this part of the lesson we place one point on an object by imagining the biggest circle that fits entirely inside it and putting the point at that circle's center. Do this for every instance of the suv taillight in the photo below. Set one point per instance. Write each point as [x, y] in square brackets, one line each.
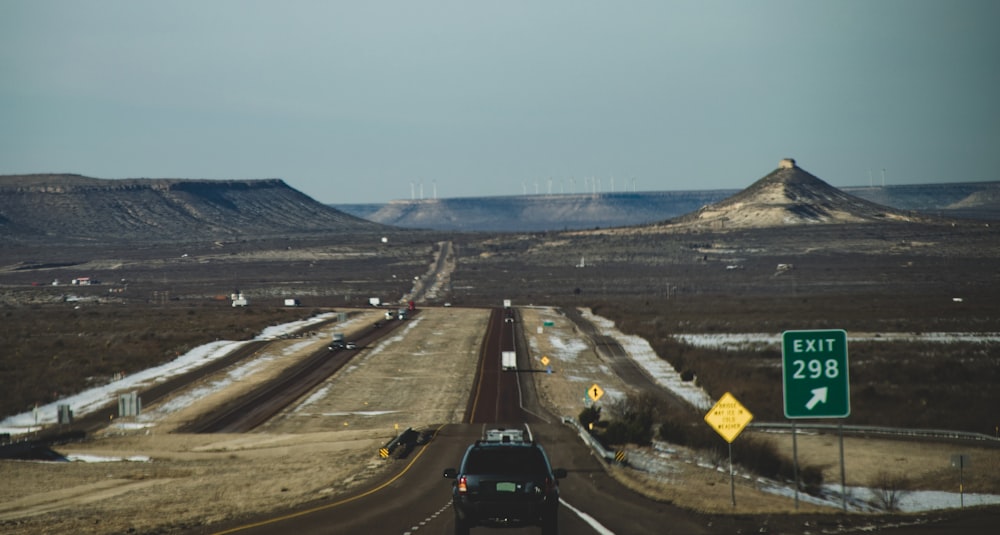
[463, 486]
[550, 485]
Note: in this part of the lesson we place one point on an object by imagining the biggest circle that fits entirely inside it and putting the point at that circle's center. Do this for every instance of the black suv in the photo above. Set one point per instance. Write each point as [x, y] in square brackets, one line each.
[505, 481]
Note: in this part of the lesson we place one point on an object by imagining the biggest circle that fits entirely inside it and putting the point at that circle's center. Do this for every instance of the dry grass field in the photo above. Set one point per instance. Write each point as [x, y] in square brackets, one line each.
[157, 302]
[199, 479]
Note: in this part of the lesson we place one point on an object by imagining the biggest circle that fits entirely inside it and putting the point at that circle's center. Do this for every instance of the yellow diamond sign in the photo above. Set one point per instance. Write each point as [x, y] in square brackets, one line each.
[545, 360]
[728, 417]
[595, 392]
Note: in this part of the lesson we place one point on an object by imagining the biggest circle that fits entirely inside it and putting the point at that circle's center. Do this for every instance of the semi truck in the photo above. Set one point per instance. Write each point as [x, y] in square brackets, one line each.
[338, 341]
[508, 360]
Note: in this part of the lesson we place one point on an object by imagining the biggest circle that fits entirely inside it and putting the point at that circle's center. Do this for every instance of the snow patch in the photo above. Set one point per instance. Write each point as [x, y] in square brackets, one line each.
[743, 341]
[96, 398]
[660, 370]
[84, 458]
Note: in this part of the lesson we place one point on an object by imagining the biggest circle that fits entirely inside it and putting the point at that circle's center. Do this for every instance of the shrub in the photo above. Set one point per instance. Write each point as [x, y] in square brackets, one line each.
[627, 432]
[633, 422]
[888, 490]
[589, 415]
[758, 455]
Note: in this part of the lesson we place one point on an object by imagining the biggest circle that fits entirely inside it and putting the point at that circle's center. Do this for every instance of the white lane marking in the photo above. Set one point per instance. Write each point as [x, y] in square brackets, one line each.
[588, 519]
[428, 519]
[591, 521]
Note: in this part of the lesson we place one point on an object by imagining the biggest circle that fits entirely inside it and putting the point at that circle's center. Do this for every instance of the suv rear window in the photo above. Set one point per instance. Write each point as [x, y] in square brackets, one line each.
[505, 460]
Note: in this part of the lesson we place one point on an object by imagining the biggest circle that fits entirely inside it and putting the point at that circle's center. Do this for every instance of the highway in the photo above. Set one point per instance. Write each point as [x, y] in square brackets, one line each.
[415, 498]
[252, 410]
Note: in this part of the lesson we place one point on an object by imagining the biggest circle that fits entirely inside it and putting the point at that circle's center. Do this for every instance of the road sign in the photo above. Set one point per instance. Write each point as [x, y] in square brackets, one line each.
[814, 370]
[545, 360]
[595, 392]
[728, 417]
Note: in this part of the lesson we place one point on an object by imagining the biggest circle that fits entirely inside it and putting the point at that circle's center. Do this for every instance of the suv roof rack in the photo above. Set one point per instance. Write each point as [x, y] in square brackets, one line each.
[502, 435]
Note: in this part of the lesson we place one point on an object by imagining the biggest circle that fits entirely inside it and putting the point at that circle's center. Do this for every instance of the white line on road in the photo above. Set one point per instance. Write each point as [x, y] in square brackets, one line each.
[588, 519]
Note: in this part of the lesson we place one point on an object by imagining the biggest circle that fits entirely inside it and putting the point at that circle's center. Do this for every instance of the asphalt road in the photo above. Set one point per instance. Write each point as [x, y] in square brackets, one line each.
[246, 413]
[416, 497]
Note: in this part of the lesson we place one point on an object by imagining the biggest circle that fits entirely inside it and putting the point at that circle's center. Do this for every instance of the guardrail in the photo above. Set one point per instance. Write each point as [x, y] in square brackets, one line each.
[877, 430]
[598, 448]
[865, 430]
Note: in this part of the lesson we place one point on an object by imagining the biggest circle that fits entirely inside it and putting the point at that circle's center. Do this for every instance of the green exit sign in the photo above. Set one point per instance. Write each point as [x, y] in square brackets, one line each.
[814, 372]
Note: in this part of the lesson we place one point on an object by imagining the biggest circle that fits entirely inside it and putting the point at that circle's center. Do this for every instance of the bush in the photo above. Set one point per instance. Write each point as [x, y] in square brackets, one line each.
[888, 490]
[758, 455]
[588, 416]
[627, 432]
[633, 422]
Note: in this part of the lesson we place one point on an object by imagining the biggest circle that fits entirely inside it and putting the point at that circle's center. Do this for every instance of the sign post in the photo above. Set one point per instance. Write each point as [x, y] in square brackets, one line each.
[816, 384]
[728, 417]
[960, 461]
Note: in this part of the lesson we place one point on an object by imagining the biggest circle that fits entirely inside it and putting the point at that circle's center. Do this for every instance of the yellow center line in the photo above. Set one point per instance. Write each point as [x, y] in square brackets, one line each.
[482, 367]
[334, 504]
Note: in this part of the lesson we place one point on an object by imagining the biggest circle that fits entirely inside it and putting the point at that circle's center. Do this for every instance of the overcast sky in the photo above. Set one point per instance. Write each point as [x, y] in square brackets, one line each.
[356, 102]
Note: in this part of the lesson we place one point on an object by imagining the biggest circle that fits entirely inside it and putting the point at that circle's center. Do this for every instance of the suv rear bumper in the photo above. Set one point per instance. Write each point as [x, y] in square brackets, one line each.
[505, 512]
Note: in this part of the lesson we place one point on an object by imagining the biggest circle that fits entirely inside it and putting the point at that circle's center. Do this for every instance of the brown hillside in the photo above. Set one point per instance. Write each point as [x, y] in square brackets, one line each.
[73, 207]
[789, 196]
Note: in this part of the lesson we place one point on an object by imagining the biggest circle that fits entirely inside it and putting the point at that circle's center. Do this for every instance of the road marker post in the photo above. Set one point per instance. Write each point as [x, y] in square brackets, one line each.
[960, 461]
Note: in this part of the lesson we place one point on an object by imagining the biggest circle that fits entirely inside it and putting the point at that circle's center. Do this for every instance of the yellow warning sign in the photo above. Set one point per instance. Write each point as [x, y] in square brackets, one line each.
[728, 417]
[595, 392]
[545, 360]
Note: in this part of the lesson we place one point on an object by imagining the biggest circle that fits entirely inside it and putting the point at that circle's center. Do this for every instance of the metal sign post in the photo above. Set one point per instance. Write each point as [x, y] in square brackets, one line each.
[728, 417]
[960, 461]
[816, 384]
[795, 463]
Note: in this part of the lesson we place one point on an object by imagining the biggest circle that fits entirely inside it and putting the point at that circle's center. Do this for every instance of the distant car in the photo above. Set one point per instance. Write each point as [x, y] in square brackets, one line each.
[505, 481]
[350, 345]
[336, 345]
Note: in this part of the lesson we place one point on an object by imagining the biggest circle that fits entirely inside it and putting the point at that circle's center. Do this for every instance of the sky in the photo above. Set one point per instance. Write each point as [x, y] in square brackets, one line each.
[366, 102]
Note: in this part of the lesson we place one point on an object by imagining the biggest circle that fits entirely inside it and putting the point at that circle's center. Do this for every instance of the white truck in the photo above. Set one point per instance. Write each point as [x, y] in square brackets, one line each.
[508, 360]
[337, 342]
